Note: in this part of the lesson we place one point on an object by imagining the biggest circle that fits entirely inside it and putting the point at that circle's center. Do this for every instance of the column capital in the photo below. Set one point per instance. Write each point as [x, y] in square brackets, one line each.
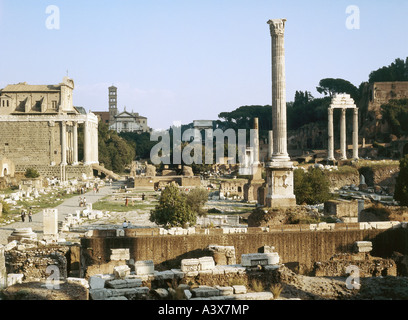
[355, 110]
[343, 111]
[330, 110]
[277, 26]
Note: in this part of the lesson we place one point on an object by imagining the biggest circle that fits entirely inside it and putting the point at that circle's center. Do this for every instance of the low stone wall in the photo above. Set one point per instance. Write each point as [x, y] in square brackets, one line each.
[296, 248]
[71, 172]
[33, 262]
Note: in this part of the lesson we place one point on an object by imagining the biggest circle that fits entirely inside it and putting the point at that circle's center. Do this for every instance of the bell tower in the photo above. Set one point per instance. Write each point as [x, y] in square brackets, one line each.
[113, 104]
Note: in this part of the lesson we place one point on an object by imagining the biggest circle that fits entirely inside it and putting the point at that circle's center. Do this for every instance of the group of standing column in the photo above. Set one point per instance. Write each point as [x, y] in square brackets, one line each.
[342, 102]
[69, 141]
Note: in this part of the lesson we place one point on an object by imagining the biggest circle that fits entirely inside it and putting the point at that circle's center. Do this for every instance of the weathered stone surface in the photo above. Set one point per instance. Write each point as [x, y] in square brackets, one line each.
[121, 272]
[206, 263]
[144, 267]
[239, 289]
[254, 259]
[96, 282]
[255, 296]
[80, 281]
[188, 265]
[120, 254]
[125, 283]
[225, 291]
[205, 291]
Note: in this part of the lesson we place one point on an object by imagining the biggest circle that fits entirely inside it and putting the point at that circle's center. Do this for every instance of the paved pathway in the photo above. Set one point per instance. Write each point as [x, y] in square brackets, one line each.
[67, 207]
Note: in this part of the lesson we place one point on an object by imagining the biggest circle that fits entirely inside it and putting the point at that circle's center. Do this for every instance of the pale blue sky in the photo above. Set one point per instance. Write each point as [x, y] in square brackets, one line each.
[175, 60]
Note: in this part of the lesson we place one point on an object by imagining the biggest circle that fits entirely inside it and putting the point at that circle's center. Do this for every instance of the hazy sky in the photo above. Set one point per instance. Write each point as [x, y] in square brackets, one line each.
[175, 60]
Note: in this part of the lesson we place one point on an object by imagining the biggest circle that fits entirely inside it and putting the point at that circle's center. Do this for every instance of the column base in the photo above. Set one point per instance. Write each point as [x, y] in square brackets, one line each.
[280, 202]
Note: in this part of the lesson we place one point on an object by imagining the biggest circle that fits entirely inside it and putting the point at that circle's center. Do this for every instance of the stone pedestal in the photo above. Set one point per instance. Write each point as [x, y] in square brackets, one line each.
[50, 224]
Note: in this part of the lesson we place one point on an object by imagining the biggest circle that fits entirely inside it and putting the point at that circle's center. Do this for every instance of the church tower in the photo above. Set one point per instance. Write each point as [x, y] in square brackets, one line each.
[113, 104]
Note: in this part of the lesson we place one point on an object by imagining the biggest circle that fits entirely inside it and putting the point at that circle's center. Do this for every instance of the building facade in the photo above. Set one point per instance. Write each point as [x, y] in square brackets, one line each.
[39, 129]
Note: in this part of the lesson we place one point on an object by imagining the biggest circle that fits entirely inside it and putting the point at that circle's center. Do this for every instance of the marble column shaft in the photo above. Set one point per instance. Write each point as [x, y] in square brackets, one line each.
[330, 153]
[63, 143]
[278, 91]
[343, 142]
[355, 133]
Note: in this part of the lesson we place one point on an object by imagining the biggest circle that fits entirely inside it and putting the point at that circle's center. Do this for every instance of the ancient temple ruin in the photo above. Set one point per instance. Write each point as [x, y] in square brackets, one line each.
[39, 129]
[342, 102]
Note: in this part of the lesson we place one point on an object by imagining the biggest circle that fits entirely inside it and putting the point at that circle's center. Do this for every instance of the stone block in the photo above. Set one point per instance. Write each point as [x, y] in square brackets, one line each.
[98, 294]
[14, 278]
[144, 267]
[124, 283]
[50, 221]
[188, 265]
[80, 281]
[121, 272]
[255, 259]
[163, 275]
[225, 291]
[96, 282]
[205, 291]
[178, 274]
[119, 254]
[239, 289]
[255, 296]
[206, 263]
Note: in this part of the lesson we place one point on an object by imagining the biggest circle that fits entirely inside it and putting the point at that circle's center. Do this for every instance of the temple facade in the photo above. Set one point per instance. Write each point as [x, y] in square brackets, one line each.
[39, 129]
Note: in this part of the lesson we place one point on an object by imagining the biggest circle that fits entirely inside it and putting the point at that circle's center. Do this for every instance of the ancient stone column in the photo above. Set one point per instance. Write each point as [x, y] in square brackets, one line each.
[75, 142]
[277, 28]
[87, 143]
[330, 147]
[279, 169]
[256, 142]
[63, 143]
[343, 143]
[355, 133]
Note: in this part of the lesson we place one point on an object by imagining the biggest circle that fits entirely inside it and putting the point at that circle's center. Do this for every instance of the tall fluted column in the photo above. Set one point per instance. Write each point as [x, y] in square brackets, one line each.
[355, 133]
[279, 168]
[330, 147]
[277, 29]
[343, 143]
[63, 143]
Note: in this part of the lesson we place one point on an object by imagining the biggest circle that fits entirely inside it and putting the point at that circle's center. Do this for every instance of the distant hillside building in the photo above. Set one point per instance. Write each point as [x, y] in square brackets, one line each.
[39, 129]
[121, 121]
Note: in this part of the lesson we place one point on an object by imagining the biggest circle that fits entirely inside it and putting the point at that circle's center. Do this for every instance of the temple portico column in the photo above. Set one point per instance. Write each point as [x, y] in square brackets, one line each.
[343, 143]
[75, 143]
[330, 147]
[355, 133]
[87, 143]
[63, 143]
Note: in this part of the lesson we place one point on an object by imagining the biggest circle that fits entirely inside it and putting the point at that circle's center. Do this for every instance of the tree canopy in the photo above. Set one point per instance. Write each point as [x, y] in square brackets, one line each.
[395, 112]
[396, 71]
[330, 86]
[173, 209]
[311, 187]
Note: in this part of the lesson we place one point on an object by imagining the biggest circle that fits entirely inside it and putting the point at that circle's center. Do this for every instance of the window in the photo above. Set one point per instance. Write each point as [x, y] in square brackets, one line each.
[8, 103]
[54, 105]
